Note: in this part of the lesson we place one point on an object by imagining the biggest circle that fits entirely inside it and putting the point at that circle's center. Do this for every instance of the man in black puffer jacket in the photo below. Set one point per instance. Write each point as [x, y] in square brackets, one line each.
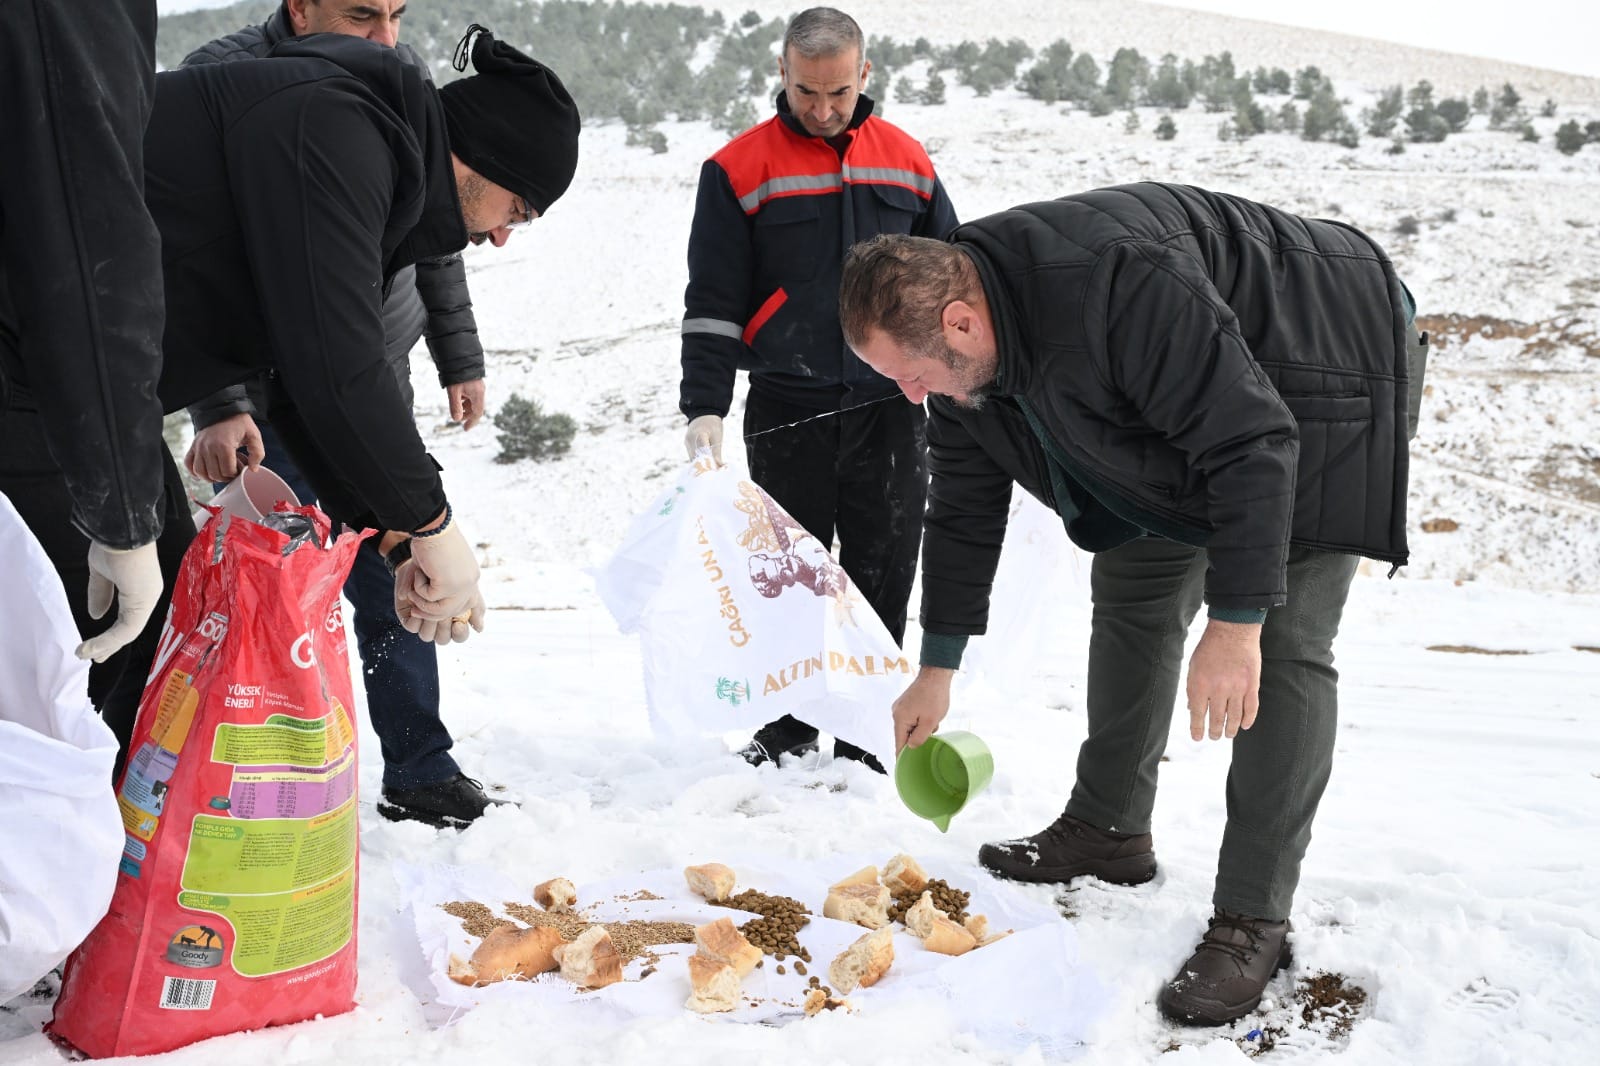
[430, 298]
[289, 193]
[1215, 397]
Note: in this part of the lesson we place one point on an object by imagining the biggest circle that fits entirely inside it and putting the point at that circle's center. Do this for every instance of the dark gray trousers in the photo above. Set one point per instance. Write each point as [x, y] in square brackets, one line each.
[1146, 593]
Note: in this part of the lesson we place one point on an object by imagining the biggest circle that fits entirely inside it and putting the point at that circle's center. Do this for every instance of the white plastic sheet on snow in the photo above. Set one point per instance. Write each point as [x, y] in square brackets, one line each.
[1054, 1007]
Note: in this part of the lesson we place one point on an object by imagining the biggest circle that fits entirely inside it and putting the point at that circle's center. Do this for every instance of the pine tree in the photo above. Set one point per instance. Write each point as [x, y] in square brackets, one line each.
[1570, 138]
[1381, 117]
[1166, 129]
[526, 432]
[933, 92]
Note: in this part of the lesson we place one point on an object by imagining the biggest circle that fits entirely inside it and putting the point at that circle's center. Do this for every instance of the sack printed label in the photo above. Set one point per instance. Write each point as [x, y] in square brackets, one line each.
[197, 947]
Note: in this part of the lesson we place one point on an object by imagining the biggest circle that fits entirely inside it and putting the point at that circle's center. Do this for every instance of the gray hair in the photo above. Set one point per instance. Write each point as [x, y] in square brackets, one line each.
[823, 31]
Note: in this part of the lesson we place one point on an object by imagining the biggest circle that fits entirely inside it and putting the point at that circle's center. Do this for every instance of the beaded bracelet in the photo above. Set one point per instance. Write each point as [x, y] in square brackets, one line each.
[440, 528]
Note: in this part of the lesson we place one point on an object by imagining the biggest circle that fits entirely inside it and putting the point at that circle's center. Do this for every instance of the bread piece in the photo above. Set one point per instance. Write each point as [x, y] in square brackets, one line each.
[557, 894]
[716, 985]
[978, 926]
[722, 942]
[816, 999]
[460, 971]
[711, 880]
[903, 874]
[919, 916]
[513, 951]
[862, 964]
[867, 905]
[867, 875]
[948, 938]
[591, 960]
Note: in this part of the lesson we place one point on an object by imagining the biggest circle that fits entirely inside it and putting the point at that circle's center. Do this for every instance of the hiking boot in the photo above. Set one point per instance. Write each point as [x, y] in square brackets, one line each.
[1069, 848]
[1224, 978]
[786, 736]
[843, 749]
[454, 803]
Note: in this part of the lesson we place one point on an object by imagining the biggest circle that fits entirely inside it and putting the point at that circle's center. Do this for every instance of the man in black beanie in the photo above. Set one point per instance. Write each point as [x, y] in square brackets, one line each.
[288, 194]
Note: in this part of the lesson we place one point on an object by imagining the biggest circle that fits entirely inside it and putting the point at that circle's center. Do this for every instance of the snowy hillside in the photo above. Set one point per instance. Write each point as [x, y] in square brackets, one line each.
[1453, 875]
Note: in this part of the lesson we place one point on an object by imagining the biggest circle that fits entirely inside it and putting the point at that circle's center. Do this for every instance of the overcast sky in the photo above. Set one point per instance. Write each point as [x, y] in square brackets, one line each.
[1559, 34]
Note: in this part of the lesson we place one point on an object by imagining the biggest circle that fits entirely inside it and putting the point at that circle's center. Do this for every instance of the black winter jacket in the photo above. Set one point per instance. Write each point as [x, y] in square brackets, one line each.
[80, 286]
[429, 299]
[289, 192]
[1183, 362]
[777, 208]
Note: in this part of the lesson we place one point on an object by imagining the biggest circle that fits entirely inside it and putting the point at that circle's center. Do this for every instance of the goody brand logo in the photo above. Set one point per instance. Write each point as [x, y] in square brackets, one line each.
[301, 652]
[212, 627]
[335, 618]
[197, 947]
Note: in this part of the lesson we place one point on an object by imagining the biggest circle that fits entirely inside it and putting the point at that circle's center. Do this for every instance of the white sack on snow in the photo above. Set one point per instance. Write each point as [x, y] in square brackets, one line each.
[743, 617]
[61, 836]
[1030, 988]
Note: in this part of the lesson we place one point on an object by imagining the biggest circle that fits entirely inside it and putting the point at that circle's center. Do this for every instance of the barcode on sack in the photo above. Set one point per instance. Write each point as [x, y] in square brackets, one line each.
[178, 993]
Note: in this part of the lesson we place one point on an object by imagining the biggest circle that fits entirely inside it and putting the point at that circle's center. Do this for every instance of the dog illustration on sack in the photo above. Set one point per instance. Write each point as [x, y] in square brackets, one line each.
[783, 554]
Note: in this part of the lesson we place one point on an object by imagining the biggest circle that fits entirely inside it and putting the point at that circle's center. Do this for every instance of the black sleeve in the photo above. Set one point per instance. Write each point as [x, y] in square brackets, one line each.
[222, 404]
[969, 501]
[452, 329]
[313, 180]
[717, 301]
[80, 257]
[1168, 342]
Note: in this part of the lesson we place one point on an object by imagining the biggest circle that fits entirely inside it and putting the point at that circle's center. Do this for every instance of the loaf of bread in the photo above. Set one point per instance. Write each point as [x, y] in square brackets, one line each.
[722, 942]
[862, 964]
[903, 874]
[591, 960]
[867, 875]
[919, 916]
[715, 984]
[509, 952]
[948, 938]
[557, 894]
[867, 905]
[712, 881]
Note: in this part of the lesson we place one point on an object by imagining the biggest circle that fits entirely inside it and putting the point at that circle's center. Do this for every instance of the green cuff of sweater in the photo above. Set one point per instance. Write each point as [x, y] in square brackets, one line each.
[943, 650]
[1249, 616]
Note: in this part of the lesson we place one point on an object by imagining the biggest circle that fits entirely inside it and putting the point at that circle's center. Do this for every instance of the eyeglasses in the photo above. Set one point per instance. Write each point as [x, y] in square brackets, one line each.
[523, 216]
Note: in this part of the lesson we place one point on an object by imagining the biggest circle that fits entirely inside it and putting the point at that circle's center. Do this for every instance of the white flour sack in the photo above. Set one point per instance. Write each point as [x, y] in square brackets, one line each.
[743, 617]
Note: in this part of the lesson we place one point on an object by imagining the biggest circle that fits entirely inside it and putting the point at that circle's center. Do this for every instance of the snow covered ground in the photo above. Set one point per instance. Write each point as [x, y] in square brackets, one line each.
[1454, 871]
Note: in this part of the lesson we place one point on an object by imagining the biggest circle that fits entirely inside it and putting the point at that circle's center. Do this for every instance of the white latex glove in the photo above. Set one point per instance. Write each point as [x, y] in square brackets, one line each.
[447, 577]
[134, 576]
[442, 632]
[705, 432]
[214, 455]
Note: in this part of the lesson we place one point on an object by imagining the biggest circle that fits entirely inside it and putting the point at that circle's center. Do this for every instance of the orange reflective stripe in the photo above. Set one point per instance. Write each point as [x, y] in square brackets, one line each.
[765, 312]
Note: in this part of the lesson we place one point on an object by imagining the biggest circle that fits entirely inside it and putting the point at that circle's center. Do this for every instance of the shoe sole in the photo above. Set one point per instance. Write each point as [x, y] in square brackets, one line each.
[1129, 870]
[1224, 1013]
[411, 814]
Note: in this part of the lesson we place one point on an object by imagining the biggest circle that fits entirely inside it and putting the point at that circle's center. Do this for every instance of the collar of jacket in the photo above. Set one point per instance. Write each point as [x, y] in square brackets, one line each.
[278, 27]
[1013, 372]
[439, 229]
[864, 106]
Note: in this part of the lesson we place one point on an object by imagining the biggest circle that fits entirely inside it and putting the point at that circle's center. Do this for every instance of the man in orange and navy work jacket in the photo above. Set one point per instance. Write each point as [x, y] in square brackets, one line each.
[778, 206]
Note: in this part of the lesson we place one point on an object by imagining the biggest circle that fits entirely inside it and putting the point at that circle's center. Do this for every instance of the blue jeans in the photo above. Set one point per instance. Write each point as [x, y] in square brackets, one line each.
[399, 670]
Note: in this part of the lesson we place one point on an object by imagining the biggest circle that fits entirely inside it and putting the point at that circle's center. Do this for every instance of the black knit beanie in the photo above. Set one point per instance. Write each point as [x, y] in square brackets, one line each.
[512, 121]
